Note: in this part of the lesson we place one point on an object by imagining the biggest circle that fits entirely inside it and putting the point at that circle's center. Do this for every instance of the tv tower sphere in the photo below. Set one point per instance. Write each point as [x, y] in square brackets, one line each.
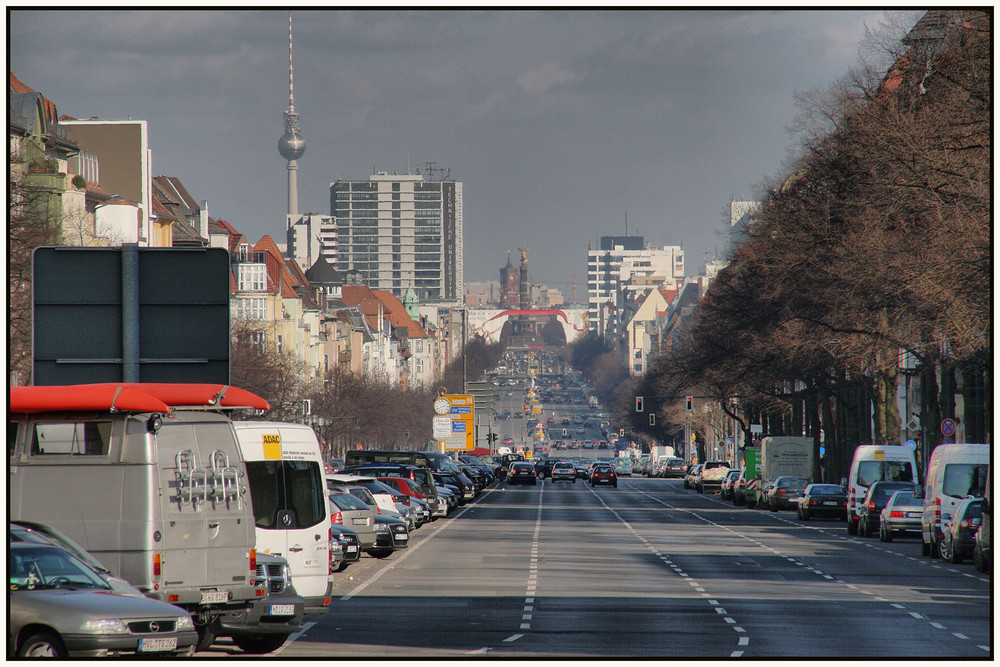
[291, 145]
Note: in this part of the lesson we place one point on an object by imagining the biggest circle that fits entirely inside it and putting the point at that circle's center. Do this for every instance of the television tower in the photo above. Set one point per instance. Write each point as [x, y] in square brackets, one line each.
[291, 145]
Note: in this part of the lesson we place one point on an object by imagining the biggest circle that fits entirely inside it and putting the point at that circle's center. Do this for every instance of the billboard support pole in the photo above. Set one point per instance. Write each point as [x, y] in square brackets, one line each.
[130, 312]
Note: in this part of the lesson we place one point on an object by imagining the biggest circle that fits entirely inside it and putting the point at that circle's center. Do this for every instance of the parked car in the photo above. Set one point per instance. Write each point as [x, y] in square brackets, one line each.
[692, 472]
[870, 511]
[563, 470]
[726, 488]
[765, 492]
[785, 492]
[740, 488]
[958, 537]
[351, 512]
[982, 555]
[397, 532]
[350, 545]
[32, 531]
[466, 489]
[900, 515]
[603, 473]
[58, 606]
[521, 472]
[823, 500]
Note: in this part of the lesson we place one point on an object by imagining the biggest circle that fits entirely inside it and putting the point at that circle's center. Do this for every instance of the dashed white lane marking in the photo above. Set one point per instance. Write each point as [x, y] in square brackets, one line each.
[513, 638]
[679, 571]
[794, 561]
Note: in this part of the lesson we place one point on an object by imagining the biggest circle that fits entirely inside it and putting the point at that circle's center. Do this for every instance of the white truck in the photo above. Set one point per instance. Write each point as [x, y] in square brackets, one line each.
[149, 479]
[785, 455]
[657, 452]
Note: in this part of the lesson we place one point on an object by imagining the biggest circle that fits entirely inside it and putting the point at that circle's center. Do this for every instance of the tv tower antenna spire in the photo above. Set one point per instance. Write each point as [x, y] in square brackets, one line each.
[291, 145]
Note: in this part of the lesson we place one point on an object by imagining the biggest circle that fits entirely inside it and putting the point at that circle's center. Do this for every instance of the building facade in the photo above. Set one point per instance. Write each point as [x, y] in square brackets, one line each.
[402, 231]
[621, 271]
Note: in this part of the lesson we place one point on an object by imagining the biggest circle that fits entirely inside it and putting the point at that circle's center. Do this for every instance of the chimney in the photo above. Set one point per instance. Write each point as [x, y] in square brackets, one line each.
[203, 219]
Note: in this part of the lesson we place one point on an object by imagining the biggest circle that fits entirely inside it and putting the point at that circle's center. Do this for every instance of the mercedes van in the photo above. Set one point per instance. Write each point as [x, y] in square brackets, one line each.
[876, 463]
[285, 474]
[954, 472]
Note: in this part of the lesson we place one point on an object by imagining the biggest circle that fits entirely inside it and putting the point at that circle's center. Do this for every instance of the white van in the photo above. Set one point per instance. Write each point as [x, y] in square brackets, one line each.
[285, 473]
[876, 463]
[954, 472]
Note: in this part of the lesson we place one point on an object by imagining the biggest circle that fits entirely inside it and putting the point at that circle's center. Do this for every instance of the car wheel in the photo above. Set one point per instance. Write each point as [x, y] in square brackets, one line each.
[257, 644]
[206, 636]
[343, 566]
[925, 549]
[852, 528]
[954, 555]
[862, 528]
[979, 560]
[379, 553]
[615, 485]
[943, 550]
[42, 645]
[737, 500]
[534, 482]
[574, 480]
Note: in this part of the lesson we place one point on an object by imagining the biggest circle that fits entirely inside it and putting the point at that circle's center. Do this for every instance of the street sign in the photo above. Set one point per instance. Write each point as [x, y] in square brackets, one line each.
[458, 433]
[948, 427]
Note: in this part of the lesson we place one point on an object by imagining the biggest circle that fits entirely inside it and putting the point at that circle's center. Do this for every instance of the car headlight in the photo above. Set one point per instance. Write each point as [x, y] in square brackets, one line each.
[381, 528]
[185, 623]
[105, 626]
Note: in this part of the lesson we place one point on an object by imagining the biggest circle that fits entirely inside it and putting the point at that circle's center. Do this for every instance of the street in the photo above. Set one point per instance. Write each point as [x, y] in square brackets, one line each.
[648, 570]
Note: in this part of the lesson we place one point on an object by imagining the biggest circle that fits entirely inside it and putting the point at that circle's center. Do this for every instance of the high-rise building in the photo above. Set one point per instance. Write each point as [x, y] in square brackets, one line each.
[402, 231]
[624, 268]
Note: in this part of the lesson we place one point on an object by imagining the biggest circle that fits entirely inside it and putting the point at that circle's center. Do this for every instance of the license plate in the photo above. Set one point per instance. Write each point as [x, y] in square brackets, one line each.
[351, 549]
[158, 643]
[829, 502]
[360, 522]
[282, 610]
[212, 597]
[402, 536]
[913, 515]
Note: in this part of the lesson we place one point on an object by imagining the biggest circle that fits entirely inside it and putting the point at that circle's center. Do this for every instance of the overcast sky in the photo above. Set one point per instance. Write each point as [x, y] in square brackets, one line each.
[559, 124]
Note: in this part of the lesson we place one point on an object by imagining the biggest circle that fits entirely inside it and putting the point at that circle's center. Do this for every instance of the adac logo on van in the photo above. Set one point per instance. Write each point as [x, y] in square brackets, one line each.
[272, 446]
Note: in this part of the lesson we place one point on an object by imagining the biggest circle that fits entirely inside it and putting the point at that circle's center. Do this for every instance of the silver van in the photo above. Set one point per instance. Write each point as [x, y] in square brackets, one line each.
[148, 478]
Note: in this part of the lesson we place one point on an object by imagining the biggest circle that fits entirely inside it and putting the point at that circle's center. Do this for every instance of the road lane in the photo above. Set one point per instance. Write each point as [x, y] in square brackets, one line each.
[649, 570]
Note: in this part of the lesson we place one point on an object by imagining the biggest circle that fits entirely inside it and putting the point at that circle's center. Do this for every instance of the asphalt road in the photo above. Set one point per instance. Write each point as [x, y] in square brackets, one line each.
[647, 570]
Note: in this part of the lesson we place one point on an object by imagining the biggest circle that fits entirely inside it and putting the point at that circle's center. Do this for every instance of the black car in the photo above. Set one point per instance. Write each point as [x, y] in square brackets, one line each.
[543, 468]
[350, 545]
[785, 492]
[958, 538]
[521, 472]
[460, 482]
[875, 501]
[823, 500]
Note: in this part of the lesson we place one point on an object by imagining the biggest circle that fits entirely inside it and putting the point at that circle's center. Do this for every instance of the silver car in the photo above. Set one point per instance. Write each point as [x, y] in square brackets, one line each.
[900, 515]
[352, 512]
[59, 607]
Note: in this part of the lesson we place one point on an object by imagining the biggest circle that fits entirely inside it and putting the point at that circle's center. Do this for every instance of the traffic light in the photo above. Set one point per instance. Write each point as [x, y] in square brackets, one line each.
[638, 403]
[689, 403]
[652, 419]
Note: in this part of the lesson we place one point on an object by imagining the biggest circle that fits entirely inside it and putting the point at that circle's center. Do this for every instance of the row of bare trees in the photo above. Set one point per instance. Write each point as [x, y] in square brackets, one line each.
[876, 242]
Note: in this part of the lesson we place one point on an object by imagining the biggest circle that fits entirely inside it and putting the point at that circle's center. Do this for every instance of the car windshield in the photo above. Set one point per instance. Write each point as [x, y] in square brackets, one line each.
[37, 566]
[786, 482]
[870, 472]
[825, 490]
[881, 493]
[973, 511]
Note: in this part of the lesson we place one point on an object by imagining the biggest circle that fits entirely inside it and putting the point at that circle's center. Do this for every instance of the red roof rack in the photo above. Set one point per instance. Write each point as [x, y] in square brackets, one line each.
[131, 397]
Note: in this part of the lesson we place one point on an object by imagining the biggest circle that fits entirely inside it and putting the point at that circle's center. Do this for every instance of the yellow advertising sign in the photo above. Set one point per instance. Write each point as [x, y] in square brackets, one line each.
[459, 432]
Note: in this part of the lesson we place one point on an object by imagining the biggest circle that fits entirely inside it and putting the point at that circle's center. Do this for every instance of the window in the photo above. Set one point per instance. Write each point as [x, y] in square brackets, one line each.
[253, 277]
[251, 309]
[293, 489]
[870, 472]
[964, 479]
[74, 438]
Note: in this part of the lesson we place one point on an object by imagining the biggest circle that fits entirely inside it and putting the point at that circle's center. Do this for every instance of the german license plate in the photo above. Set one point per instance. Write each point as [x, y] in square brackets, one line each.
[829, 502]
[157, 643]
[351, 549]
[402, 536]
[913, 515]
[360, 522]
[282, 610]
[213, 597]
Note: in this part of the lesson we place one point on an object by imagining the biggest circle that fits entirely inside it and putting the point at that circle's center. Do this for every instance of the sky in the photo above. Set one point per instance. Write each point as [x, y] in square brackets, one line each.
[563, 126]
